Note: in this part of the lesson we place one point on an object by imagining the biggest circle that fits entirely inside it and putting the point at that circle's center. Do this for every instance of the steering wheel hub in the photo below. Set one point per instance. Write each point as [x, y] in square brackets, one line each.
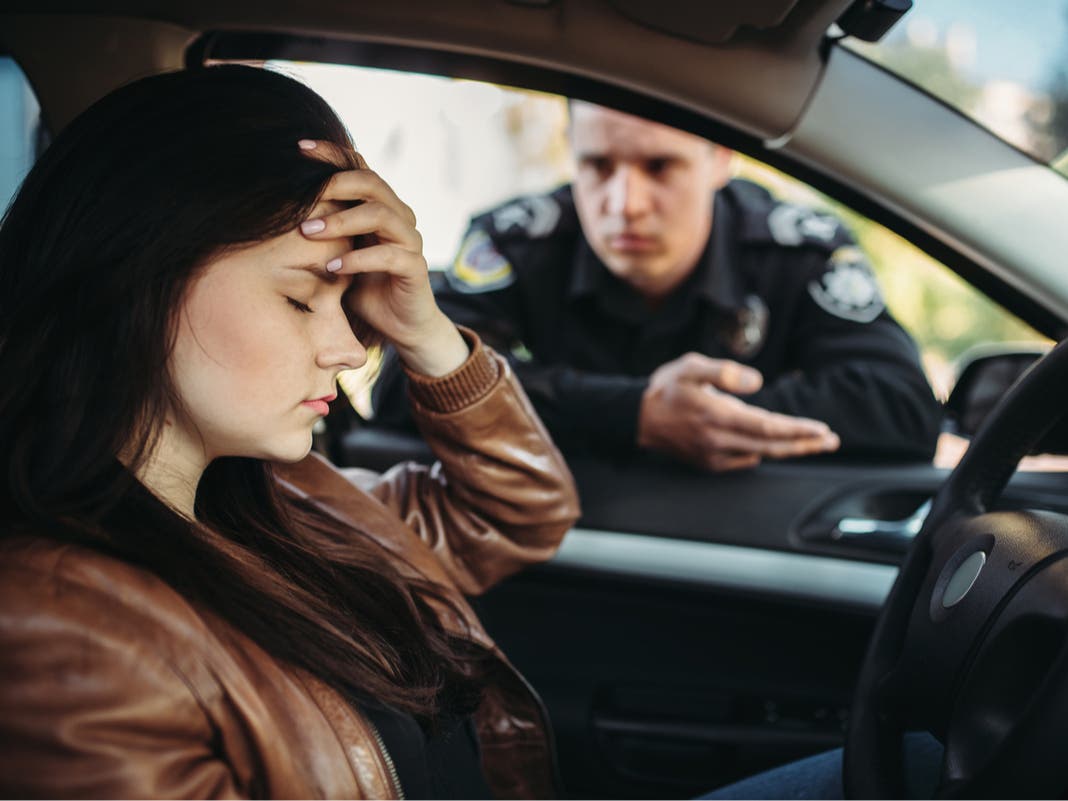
[958, 576]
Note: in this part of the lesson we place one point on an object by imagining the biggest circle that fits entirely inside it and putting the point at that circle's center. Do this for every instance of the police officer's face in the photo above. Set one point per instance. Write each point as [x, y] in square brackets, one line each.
[643, 192]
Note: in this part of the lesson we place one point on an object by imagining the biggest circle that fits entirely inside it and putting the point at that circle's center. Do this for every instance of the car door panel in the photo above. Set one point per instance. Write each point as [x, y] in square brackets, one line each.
[696, 628]
[787, 506]
[663, 690]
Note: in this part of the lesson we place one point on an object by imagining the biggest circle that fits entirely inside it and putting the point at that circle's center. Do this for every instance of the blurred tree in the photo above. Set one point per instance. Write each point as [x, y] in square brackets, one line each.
[929, 68]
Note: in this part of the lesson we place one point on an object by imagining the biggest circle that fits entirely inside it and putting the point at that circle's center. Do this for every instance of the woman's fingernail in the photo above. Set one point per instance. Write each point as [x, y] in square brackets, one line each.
[312, 226]
[306, 144]
[333, 265]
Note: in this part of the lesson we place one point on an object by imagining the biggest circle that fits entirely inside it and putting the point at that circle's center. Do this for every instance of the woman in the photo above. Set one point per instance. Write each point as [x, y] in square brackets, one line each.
[190, 605]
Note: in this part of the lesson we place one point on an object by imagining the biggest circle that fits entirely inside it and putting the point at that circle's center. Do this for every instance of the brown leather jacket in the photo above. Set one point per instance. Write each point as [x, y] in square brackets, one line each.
[114, 685]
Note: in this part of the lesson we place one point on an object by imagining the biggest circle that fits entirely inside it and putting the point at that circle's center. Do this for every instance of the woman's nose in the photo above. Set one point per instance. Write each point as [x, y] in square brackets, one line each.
[341, 350]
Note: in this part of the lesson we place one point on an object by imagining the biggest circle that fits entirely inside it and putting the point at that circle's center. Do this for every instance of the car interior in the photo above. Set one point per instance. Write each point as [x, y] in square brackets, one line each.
[695, 629]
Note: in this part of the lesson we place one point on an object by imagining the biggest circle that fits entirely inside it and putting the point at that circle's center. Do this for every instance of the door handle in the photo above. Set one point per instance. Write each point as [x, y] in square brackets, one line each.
[890, 535]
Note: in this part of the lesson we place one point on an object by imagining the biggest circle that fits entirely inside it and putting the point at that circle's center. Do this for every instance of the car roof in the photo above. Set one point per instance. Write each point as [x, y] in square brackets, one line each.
[763, 68]
[757, 62]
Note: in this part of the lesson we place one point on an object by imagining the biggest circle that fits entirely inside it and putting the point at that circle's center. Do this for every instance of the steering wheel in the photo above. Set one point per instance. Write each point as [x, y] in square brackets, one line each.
[972, 642]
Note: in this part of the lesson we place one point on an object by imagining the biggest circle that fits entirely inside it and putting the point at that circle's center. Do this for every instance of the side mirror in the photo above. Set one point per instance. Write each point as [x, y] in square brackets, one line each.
[985, 376]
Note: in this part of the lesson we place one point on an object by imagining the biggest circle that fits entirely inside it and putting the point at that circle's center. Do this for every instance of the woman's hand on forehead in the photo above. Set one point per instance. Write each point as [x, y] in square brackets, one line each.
[391, 291]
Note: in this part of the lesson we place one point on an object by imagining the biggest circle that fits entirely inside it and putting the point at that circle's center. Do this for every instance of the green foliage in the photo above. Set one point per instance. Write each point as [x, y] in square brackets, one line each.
[946, 315]
[929, 68]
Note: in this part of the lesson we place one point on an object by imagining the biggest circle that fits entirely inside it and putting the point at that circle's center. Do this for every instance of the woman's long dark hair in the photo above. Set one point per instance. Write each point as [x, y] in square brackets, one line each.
[96, 253]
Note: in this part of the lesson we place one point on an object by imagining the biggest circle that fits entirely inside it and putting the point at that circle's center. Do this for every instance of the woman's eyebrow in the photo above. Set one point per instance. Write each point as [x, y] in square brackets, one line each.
[318, 270]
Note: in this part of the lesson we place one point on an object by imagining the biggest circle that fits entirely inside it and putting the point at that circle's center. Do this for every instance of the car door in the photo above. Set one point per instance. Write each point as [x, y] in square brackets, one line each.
[694, 628]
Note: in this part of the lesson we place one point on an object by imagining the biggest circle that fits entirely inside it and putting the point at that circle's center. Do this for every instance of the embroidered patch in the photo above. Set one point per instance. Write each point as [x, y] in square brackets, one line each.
[752, 328]
[479, 266]
[848, 288]
[537, 215]
[792, 225]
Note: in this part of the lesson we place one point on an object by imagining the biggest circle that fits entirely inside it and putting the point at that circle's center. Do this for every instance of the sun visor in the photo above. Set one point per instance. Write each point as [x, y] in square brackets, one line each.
[709, 23]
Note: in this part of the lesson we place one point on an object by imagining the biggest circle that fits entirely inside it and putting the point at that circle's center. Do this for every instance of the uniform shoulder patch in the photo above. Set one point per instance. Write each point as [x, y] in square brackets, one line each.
[792, 225]
[536, 216]
[847, 288]
[479, 266]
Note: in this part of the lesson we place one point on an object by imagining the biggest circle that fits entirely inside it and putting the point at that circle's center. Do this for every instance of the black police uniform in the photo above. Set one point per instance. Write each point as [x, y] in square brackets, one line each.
[778, 287]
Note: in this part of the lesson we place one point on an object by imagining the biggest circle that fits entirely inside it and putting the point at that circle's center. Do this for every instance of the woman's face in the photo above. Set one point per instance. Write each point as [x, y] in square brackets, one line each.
[261, 336]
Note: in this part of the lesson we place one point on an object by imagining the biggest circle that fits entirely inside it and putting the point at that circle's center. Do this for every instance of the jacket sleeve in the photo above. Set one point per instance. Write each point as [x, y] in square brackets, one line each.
[500, 495]
[858, 371]
[88, 712]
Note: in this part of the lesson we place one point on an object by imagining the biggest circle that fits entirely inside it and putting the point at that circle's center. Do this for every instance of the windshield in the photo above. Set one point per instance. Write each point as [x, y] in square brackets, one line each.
[1005, 65]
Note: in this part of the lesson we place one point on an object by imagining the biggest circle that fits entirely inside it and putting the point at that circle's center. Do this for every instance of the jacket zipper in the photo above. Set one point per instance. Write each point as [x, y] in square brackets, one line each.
[398, 790]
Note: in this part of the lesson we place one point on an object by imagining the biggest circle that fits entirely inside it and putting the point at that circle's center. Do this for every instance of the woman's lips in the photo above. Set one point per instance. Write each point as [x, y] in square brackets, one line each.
[320, 405]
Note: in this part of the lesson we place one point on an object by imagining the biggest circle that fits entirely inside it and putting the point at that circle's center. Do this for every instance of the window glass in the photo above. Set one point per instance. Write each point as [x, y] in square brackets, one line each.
[944, 314]
[1005, 65]
[20, 126]
[448, 147]
[452, 148]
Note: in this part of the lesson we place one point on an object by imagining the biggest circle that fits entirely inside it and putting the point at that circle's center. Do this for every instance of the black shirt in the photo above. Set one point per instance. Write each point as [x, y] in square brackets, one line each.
[778, 287]
[444, 763]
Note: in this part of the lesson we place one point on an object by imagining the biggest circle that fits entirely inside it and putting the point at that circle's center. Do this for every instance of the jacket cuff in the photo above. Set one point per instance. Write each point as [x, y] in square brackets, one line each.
[468, 383]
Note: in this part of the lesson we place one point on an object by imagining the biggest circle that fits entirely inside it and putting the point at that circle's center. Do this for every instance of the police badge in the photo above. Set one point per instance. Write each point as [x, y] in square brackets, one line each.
[751, 328]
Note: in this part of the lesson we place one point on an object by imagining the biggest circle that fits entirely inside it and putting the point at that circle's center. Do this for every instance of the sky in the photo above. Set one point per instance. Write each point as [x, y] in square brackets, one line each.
[1017, 40]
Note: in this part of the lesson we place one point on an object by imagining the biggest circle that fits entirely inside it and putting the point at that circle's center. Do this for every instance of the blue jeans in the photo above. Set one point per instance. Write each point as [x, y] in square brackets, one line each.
[820, 776]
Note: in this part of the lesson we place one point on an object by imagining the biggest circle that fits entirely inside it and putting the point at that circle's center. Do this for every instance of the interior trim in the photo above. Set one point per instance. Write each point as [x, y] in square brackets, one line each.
[731, 567]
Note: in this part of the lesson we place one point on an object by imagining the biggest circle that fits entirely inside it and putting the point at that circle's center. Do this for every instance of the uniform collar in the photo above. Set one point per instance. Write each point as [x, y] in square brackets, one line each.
[589, 276]
[716, 280]
[592, 281]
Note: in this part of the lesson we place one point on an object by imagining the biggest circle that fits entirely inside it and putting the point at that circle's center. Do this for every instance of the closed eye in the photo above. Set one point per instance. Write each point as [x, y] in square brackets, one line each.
[301, 307]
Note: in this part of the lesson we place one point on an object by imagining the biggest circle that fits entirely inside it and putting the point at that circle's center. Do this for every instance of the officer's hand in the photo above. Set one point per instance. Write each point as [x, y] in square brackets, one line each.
[391, 291]
[687, 412]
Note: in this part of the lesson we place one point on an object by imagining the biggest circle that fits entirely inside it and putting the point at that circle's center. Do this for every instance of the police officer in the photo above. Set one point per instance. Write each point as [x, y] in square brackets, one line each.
[653, 305]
